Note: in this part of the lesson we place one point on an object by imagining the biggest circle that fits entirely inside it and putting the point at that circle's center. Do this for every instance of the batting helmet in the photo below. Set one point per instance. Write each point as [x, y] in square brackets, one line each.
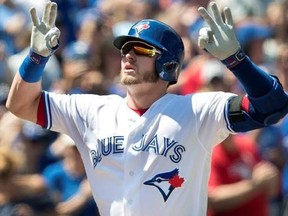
[162, 37]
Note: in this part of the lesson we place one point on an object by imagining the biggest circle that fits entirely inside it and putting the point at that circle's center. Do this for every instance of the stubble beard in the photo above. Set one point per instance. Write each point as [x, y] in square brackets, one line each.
[132, 80]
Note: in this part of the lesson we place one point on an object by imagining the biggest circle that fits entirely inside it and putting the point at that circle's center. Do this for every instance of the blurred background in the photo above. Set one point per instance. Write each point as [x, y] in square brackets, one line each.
[33, 161]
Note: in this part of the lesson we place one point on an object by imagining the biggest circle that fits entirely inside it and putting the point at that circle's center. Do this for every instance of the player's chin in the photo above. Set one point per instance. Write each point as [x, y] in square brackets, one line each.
[134, 79]
[129, 80]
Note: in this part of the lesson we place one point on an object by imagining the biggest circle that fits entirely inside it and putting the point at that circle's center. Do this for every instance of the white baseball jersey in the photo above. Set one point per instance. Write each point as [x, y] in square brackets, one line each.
[154, 164]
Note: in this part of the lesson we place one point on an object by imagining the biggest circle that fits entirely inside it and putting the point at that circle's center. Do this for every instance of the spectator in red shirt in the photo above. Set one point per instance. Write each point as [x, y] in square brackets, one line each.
[240, 182]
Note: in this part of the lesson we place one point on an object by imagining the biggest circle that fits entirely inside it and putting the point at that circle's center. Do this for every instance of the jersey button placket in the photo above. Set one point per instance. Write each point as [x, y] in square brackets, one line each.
[131, 192]
[132, 165]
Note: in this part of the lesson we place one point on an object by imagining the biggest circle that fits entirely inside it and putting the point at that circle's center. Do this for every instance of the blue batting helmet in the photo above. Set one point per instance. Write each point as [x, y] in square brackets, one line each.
[162, 37]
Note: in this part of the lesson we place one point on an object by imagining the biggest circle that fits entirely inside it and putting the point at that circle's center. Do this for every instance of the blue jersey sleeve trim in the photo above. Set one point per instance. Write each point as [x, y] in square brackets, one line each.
[47, 110]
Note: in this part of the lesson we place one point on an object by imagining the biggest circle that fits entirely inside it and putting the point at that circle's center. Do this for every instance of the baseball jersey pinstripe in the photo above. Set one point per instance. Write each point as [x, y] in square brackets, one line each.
[154, 164]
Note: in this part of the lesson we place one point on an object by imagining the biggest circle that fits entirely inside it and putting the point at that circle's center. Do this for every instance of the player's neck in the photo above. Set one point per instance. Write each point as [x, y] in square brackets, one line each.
[142, 97]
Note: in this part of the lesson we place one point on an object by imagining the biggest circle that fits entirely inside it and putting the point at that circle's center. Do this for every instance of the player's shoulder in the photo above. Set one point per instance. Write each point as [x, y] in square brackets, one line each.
[198, 101]
[84, 103]
[98, 101]
[198, 96]
[86, 98]
[206, 97]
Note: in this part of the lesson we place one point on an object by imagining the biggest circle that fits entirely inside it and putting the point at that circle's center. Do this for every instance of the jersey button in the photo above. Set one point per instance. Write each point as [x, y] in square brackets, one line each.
[131, 173]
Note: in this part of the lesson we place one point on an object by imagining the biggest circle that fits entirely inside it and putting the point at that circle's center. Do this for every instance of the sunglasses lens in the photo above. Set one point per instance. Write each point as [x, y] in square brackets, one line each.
[139, 49]
[126, 48]
[144, 51]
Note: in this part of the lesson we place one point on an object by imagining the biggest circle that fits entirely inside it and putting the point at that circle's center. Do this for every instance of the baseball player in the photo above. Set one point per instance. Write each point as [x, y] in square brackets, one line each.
[149, 153]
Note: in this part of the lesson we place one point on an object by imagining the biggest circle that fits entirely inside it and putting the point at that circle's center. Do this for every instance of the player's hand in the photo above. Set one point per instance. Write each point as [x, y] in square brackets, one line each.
[219, 37]
[44, 36]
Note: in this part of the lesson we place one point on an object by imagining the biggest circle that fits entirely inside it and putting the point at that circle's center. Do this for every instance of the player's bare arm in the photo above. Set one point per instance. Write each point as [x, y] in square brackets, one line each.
[24, 98]
[26, 88]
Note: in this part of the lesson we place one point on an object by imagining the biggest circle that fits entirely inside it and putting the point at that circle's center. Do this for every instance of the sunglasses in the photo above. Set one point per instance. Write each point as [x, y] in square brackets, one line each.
[139, 48]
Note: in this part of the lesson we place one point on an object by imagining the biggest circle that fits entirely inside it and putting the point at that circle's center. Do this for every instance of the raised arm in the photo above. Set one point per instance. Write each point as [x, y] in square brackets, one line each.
[25, 92]
[266, 102]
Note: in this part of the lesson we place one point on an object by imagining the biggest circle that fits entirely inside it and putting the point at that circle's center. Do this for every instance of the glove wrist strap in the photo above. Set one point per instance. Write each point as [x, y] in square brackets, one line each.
[32, 68]
[52, 49]
[234, 60]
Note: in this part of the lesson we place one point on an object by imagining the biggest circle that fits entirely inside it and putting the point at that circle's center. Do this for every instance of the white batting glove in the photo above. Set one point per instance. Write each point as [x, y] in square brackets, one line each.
[219, 38]
[44, 37]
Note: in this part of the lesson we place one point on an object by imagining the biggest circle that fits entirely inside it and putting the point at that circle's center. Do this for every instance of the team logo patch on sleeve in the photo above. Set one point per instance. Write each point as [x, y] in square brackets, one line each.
[166, 182]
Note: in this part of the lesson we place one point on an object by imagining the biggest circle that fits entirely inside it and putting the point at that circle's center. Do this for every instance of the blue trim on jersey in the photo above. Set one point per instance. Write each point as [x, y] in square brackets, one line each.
[226, 116]
[47, 111]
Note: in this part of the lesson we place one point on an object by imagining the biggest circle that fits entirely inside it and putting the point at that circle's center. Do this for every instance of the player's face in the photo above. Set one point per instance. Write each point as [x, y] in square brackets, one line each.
[138, 63]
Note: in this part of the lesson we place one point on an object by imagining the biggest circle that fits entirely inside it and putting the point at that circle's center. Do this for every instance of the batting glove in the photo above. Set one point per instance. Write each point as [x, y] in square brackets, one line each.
[44, 36]
[218, 38]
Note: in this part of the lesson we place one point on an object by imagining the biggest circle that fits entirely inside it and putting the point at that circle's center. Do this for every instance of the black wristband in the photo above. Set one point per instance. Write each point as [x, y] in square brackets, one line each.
[234, 60]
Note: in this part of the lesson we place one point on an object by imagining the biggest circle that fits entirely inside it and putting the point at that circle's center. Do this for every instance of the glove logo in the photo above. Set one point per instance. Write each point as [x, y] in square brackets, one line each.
[166, 182]
[141, 27]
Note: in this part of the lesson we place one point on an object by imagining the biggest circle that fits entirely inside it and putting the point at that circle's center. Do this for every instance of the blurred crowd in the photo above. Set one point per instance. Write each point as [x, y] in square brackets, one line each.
[40, 170]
